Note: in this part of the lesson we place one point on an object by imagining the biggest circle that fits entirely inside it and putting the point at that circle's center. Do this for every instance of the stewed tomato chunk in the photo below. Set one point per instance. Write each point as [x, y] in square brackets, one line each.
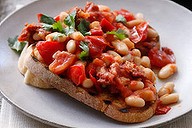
[139, 32]
[47, 48]
[96, 45]
[160, 58]
[77, 73]
[62, 61]
[106, 25]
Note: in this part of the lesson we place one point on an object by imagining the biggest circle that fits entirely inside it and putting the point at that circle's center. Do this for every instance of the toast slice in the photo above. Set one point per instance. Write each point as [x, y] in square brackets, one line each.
[29, 77]
[112, 107]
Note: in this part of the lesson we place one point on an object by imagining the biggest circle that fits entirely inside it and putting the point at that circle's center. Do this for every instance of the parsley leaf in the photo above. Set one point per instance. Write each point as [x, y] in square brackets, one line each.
[85, 53]
[47, 27]
[47, 19]
[57, 35]
[121, 18]
[16, 45]
[119, 33]
[70, 22]
[70, 19]
[58, 27]
[83, 26]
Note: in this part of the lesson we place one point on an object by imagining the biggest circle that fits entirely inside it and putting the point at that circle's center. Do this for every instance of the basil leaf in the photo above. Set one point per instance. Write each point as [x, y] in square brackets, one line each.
[85, 53]
[56, 36]
[69, 30]
[121, 18]
[119, 33]
[16, 45]
[47, 19]
[47, 27]
[83, 26]
[58, 27]
[70, 19]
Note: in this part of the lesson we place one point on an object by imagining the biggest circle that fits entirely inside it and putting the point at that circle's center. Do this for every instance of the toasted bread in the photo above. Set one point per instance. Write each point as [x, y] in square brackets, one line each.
[113, 108]
[30, 78]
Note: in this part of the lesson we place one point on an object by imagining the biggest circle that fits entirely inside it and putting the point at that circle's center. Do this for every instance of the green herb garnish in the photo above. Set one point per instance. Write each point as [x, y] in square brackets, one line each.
[83, 27]
[16, 45]
[119, 33]
[121, 18]
[47, 19]
[57, 26]
[70, 22]
[85, 53]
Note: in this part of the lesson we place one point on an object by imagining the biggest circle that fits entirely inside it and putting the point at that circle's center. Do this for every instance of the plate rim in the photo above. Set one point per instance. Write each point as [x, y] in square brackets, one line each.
[59, 125]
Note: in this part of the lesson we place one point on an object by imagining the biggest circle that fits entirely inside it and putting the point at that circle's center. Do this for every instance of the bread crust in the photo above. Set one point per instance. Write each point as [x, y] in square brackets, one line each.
[130, 115]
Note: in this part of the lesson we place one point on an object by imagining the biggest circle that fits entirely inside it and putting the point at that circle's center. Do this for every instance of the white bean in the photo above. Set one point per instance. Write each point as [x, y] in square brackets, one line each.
[56, 36]
[169, 98]
[151, 33]
[37, 54]
[120, 47]
[87, 83]
[148, 73]
[95, 25]
[136, 85]
[129, 43]
[139, 16]
[127, 57]
[36, 36]
[145, 61]
[133, 23]
[136, 52]
[137, 60]
[167, 71]
[134, 101]
[71, 46]
[166, 89]
[77, 36]
[62, 16]
[103, 8]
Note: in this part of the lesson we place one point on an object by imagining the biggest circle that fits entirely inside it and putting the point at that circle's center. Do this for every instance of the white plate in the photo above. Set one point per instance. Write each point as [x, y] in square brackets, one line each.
[174, 25]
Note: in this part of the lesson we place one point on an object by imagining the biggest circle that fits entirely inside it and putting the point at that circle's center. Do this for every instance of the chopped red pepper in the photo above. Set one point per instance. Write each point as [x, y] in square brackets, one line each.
[106, 25]
[47, 48]
[77, 73]
[161, 109]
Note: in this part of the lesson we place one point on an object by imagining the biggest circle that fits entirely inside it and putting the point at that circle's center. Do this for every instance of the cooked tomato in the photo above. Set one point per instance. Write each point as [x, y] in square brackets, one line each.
[39, 17]
[96, 32]
[160, 58]
[62, 61]
[48, 48]
[77, 73]
[128, 16]
[57, 18]
[106, 25]
[125, 91]
[139, 32]
[96, 45]
[161, 109]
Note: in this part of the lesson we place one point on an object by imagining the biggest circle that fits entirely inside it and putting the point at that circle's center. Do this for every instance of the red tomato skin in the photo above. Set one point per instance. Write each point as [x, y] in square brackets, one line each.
[139, 32]
[77, 73]
[160, 58]
[96, 32]
[47, 48]
[62, 61]
[39, 17]
[57, 18]
[96, 45]
[161, 109]
[106, 25]
[128, 16]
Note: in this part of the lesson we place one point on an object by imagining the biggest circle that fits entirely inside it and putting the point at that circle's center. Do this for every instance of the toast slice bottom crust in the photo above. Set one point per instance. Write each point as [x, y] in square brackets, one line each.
[113, 108]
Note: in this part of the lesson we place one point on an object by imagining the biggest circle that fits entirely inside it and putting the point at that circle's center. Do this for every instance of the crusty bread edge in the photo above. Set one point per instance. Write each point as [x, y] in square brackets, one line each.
[82, 95]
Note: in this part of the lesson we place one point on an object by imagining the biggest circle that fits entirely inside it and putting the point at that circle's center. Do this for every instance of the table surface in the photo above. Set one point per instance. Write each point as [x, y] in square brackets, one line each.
[7, 6]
